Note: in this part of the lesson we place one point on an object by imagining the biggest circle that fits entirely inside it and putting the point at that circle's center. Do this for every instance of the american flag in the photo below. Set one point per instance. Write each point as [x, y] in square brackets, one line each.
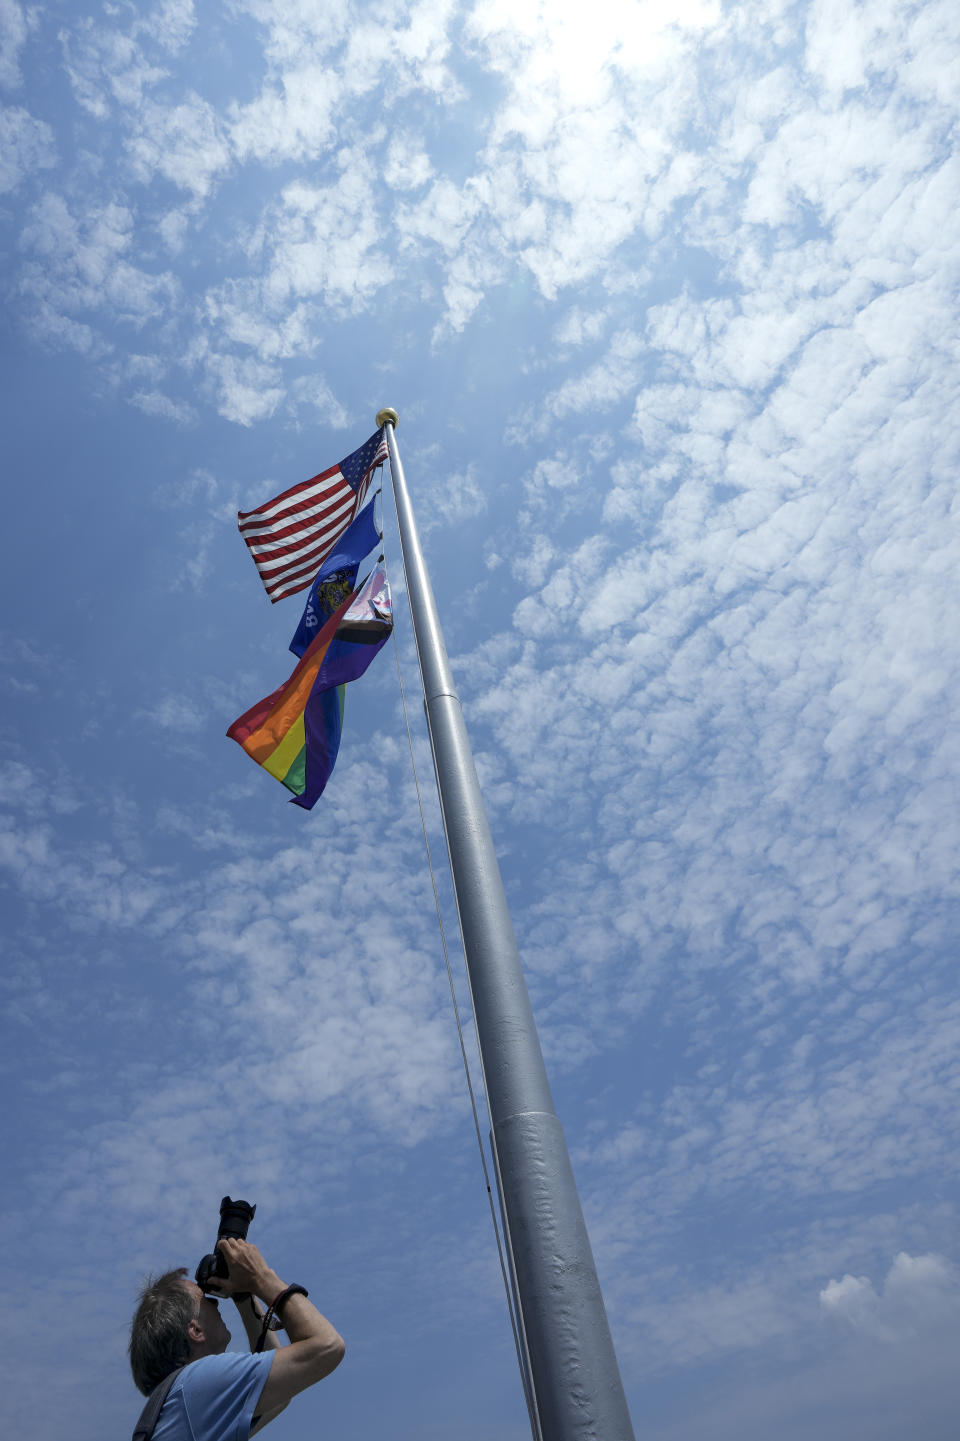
[290, 536]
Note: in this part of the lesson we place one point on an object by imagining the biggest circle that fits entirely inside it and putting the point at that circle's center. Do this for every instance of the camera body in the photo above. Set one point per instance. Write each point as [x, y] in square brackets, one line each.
[235, 1218]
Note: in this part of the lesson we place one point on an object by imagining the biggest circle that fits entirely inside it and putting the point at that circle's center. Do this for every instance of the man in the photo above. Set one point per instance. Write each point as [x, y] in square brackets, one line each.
[219, 1396]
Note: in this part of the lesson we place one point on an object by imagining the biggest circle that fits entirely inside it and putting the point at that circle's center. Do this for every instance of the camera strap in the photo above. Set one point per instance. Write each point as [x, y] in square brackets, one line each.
[151, 1412]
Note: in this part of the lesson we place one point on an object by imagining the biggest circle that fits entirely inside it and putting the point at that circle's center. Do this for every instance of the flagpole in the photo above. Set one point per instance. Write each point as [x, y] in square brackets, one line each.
[576, 1381]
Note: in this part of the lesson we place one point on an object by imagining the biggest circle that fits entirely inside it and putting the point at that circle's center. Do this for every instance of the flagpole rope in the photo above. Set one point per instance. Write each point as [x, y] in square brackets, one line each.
[516, 1315]
[463, 1048]
[518, 1345]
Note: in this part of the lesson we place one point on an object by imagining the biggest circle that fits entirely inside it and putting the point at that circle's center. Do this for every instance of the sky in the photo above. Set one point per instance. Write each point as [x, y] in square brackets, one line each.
[666, 300]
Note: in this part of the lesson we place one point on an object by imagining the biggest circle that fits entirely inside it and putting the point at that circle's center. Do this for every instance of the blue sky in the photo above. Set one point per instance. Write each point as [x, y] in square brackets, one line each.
[667, 303]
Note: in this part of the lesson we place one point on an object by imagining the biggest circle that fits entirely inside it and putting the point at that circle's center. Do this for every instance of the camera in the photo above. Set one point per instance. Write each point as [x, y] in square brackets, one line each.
[235, 1218]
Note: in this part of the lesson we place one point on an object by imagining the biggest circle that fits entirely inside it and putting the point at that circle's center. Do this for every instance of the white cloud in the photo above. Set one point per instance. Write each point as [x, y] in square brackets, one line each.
[298, 27]
[26, 144]
[324, 241]
[176, 713]
[453, 497]
[18, 788]
[312, 392]
[13, 37]
[197, 486]
[236, 310]
[803, 1379]
[185, 144]
[291, 121]
[407, 165]
[535, 565]
[551, 476]
[920, 1293]
[154, 402]
[106, 66]
[442, 216]
[850, 47]
[413, 51]
[172, 227]
[597, 389]
[374, 1036]
[51, 327]
[580, 152]
[171, 23]
[246, 390]
[80, 265]
[579, 327]
[323, 60]
[463, 291]
[779, 590]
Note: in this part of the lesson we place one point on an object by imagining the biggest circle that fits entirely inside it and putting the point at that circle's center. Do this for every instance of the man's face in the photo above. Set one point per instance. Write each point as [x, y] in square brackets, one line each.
[209, 1320]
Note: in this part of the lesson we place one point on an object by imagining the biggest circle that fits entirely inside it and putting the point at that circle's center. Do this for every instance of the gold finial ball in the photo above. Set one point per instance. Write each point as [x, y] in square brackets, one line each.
[388, 413]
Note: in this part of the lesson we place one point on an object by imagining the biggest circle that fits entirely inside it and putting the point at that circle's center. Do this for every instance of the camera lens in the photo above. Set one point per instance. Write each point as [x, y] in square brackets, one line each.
[235, 1218]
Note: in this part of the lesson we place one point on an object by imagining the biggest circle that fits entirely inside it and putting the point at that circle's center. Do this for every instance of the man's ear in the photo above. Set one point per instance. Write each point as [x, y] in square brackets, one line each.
[195, 1333]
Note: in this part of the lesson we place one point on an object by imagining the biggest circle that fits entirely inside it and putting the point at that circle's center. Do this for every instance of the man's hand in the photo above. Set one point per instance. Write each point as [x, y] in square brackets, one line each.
[315, 1348]
[248, 1272]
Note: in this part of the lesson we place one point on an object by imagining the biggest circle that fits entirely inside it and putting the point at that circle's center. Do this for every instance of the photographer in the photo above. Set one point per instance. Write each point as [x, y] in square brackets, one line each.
[178, 1331]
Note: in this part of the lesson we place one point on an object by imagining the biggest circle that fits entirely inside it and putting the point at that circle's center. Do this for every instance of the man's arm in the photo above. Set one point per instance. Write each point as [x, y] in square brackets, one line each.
[315, 1348]
[252, 1314]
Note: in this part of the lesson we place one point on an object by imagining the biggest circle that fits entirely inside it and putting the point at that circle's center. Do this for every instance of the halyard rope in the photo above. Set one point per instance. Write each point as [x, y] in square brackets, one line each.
[525, 1378]
[463, 1048]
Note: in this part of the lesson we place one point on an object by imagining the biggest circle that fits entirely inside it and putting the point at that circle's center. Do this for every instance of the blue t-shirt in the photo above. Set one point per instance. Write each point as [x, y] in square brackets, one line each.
[214, 1399]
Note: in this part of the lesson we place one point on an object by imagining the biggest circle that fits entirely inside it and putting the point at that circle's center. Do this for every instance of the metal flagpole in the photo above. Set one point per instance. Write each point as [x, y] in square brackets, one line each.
[576, 1380]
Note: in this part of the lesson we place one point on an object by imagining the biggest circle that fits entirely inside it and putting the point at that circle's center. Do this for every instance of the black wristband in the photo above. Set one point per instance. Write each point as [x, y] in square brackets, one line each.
[273, 1309]
[284, 1296]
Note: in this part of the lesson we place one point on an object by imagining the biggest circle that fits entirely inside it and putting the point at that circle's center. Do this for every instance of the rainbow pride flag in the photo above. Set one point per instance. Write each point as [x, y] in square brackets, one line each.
[295, 732]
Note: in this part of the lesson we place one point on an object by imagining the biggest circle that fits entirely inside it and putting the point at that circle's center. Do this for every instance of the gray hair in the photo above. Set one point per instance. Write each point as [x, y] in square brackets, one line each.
[158, 1335]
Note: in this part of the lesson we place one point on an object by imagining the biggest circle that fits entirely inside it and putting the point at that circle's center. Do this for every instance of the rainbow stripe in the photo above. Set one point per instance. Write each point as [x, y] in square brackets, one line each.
[274, 733]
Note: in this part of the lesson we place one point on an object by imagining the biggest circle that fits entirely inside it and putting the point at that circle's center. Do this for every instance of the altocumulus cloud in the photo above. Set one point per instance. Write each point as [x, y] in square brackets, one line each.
[668, 304]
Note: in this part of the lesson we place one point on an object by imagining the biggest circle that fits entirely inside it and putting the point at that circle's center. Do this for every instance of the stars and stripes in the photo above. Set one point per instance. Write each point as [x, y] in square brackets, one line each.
[290, 536]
